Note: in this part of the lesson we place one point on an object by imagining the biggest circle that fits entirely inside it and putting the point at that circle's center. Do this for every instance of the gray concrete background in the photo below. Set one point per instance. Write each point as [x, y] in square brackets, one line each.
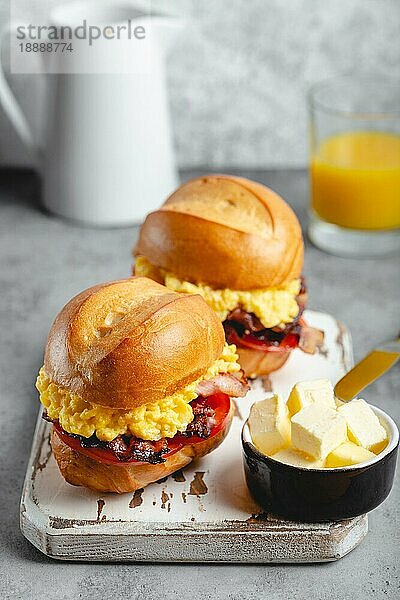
[239, 74]
[44, 262]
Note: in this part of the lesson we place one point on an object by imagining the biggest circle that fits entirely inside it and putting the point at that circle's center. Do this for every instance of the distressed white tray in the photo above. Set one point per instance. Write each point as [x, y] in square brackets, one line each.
[204, 514]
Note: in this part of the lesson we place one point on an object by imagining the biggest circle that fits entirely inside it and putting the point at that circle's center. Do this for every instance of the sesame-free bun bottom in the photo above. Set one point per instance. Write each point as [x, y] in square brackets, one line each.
[256, 363]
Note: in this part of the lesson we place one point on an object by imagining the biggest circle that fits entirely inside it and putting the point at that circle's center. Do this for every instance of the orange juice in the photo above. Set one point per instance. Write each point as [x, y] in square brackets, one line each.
[355, 180]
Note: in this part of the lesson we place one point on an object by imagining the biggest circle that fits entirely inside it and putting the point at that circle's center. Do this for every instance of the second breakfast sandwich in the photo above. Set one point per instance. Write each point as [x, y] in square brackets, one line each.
[137, 382]
[240, 246]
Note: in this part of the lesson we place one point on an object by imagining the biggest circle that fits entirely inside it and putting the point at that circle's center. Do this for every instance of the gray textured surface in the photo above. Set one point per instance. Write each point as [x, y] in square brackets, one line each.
[44, 262]
[239, 73]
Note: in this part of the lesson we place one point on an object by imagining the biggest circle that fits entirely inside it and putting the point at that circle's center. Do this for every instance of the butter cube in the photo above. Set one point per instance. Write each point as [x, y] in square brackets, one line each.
[270, 425]
[304, 393]
[363, 426]
[317, 430]
[291, 456]
[346, 454]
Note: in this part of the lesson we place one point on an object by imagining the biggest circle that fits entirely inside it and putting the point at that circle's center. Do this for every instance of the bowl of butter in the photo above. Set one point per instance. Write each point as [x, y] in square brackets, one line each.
[315, 458]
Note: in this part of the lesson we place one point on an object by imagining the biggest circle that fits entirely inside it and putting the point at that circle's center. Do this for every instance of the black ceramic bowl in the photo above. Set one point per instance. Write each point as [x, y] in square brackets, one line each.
[321, 494]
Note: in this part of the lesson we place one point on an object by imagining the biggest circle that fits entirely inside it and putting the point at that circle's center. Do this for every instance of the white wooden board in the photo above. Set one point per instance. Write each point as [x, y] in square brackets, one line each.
[204, 514]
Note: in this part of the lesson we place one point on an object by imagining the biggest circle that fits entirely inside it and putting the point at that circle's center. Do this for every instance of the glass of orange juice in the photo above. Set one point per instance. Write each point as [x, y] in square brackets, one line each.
[355, 167]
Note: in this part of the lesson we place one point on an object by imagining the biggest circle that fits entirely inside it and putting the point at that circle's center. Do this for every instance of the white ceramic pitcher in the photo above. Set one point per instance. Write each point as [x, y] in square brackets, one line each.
[107, 158]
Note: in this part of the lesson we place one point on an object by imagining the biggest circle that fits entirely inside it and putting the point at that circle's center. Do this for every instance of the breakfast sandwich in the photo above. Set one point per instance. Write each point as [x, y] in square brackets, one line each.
[239, 245]
[137, 382]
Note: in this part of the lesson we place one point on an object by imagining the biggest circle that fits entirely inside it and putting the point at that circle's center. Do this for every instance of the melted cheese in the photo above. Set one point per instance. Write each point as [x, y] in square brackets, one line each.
[273, 306]
[151, 421]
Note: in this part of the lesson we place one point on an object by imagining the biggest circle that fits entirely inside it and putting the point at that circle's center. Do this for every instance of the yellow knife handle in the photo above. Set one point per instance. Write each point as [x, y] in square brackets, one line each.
[365, 372]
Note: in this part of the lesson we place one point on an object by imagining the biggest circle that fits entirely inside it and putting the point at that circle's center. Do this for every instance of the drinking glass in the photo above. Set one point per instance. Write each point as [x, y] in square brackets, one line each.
[355, 166]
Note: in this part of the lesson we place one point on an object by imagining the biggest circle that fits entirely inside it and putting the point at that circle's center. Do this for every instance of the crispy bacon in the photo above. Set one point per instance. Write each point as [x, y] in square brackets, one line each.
[247, 320]
[232, 384]
[203, 422]
[126, 447]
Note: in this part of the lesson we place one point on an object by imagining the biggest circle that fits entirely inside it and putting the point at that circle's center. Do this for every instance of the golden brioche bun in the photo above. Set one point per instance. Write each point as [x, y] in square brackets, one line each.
[126, 343]
[228, 232]
[78, 469]
[256, 363]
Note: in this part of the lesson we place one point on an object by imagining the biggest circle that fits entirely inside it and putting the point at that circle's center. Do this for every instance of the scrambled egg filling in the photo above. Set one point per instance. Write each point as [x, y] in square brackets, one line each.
[151, 421]
[274, 306]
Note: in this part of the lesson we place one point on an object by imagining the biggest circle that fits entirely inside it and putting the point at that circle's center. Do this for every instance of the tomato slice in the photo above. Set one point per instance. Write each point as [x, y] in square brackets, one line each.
[219, 402]
[250, 341]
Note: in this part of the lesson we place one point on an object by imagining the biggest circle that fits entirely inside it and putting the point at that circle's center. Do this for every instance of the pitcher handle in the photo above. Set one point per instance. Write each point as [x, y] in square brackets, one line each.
[9, 102]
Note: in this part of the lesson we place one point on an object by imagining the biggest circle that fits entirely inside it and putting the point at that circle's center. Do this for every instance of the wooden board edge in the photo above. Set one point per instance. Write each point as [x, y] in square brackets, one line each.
[211, 546]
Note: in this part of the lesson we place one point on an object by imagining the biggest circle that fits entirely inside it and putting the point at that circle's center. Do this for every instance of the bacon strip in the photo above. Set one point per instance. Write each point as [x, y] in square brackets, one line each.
[203, 422]
[124, 447]
[232, 384]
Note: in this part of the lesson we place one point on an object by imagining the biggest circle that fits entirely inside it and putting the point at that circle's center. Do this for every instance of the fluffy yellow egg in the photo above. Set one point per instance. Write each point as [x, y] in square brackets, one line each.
[273, 306]
[151, 421]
